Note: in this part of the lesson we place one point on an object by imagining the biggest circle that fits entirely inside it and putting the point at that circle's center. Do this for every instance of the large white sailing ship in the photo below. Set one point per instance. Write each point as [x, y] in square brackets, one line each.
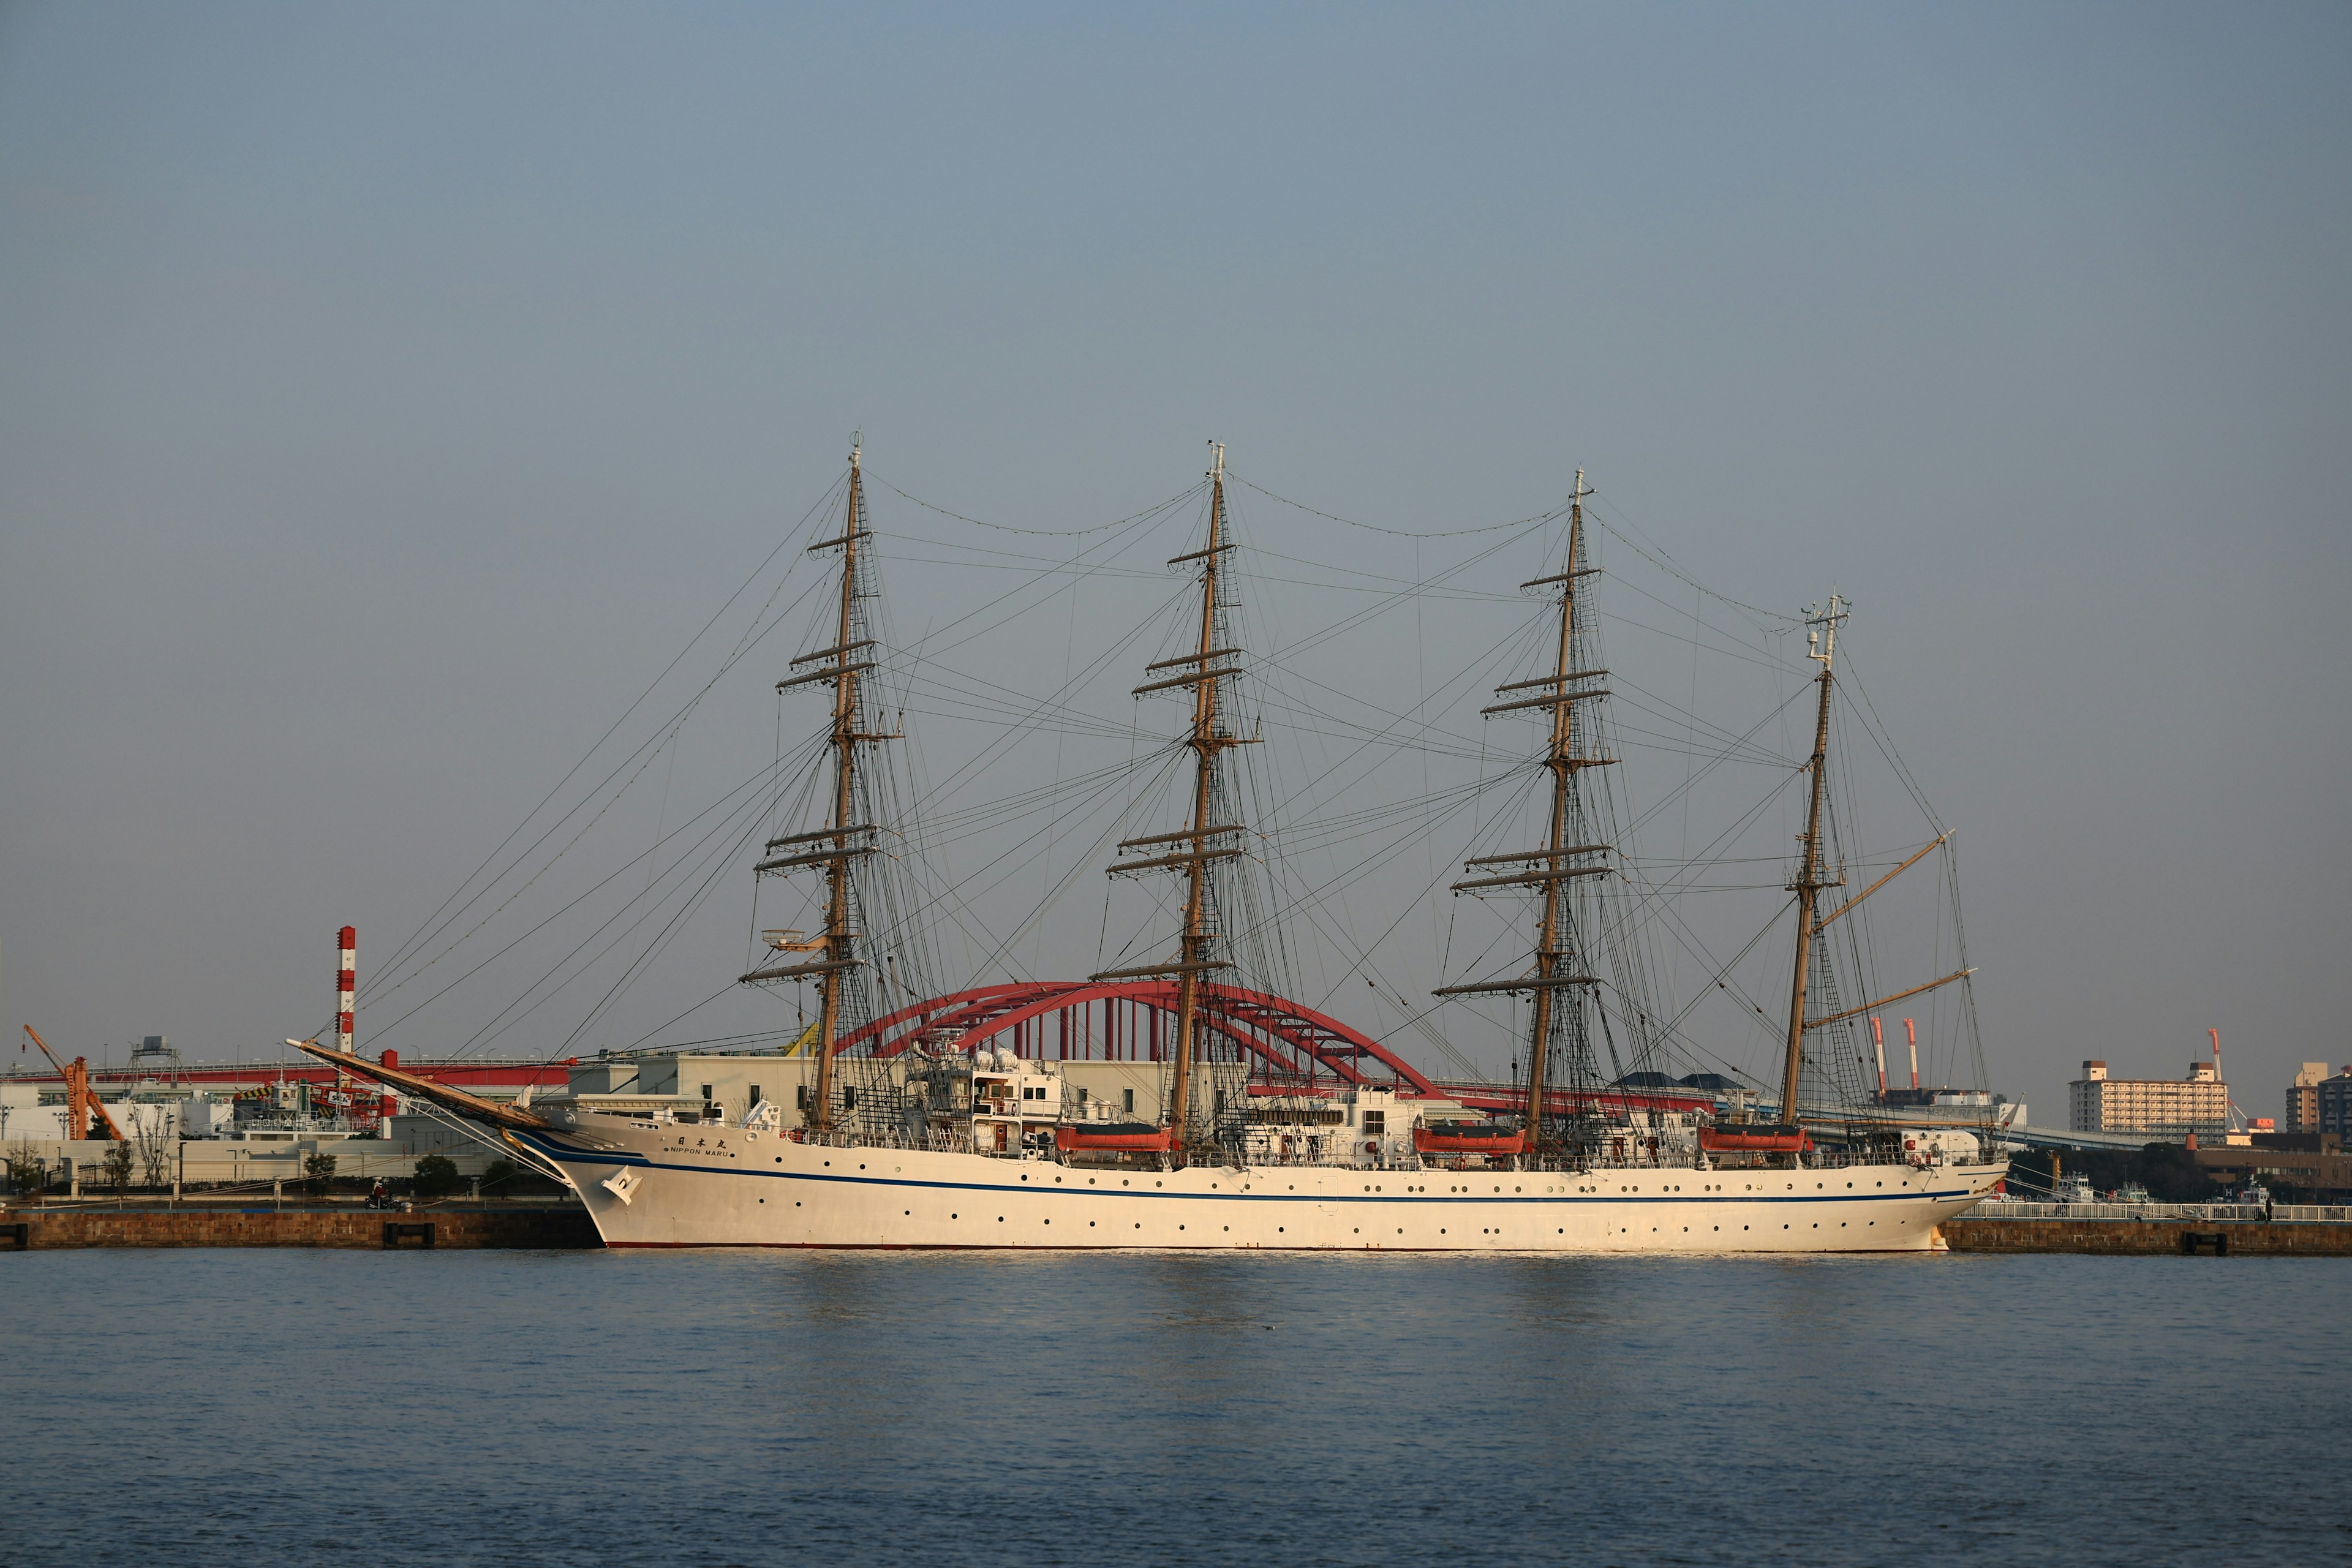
[916, 1132]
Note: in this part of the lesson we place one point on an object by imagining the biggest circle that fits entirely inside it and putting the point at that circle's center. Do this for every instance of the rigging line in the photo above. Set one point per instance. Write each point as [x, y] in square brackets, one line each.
[1398, 532]
[651, 882]
[1656, 558]
[1007, 601]
[1049, 532]
[698, 1006]
[1883, 739]
[1347, 622]
[717, 860]
[419, 935]
[665, 738]
[987, 757]
[648, 749]
[700, 847]
[1484, 662]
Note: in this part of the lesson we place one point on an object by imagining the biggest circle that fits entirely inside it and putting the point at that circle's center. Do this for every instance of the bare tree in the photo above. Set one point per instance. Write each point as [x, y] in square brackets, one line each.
[157, 1149]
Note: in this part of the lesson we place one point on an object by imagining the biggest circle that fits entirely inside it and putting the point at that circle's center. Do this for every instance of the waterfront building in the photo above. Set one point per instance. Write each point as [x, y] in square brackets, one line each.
[2332, 1104]
[2162, 1108]
[2302, 1099]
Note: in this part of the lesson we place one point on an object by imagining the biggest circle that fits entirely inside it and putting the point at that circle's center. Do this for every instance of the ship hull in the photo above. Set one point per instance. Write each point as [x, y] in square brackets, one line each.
[664, 1185]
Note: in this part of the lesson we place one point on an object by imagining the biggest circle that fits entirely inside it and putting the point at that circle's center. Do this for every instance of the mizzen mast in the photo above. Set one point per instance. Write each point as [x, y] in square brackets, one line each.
[836, 848]
[1204, 839]
[1561, 963]
[1811, 880]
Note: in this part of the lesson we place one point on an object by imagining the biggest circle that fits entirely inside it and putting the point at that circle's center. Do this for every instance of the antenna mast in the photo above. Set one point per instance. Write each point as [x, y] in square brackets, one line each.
[1810, 880]
[1205, 667]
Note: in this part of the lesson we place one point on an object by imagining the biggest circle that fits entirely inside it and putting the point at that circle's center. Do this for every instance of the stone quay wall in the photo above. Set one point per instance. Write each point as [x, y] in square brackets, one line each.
[2149, 1237]
[549, 1225]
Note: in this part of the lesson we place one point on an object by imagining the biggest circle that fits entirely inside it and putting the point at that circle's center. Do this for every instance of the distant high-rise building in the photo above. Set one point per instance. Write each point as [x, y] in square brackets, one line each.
[2162, 1108]
[2333, 1100]
[2302, 1099]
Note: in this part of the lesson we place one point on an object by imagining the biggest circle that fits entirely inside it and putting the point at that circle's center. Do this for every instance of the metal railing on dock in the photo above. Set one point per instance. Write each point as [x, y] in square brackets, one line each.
[2278, 1214]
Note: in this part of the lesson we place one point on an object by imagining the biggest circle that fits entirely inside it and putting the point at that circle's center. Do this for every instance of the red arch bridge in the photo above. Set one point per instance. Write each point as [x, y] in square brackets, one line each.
[1288, 1048]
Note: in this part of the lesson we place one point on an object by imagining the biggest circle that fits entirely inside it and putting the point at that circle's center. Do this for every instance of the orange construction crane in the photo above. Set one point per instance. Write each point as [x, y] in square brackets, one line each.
[84, 1114]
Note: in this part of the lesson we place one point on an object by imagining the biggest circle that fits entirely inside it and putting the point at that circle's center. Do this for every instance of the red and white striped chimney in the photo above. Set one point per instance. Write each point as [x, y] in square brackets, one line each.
[347, 943]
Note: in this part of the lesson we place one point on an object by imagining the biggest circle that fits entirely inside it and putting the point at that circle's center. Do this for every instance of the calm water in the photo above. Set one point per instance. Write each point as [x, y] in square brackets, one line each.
[510, 1408]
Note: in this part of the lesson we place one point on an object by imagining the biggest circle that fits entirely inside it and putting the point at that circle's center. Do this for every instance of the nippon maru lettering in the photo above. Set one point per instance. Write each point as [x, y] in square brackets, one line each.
[943, 1122]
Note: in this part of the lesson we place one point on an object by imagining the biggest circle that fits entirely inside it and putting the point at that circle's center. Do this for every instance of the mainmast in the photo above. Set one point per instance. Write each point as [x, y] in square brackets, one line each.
[1561, 961]
[1810, 879]
[1203, 669]
[837, 848]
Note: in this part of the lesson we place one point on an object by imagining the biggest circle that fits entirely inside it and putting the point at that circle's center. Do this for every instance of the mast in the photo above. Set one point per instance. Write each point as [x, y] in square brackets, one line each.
[1206, 667]
[836, 848]
[1810, 880]
[1558, 959]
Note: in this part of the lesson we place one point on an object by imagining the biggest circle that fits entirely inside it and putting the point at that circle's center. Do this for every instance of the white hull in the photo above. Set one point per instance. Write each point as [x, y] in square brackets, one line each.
[698, 1186]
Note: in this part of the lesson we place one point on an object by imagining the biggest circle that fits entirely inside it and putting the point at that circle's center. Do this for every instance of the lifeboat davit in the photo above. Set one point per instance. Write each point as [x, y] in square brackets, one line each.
[1123, 1137]
[1754, 1140]
[1468, 1138]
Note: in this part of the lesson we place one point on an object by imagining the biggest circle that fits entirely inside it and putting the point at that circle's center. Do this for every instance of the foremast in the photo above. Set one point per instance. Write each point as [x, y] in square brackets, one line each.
[1811, 879]
[1561, 963]
[834, 849]
[1204, 840]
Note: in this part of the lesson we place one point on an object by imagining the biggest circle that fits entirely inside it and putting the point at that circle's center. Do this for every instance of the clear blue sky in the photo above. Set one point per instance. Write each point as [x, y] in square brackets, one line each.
[391, 389]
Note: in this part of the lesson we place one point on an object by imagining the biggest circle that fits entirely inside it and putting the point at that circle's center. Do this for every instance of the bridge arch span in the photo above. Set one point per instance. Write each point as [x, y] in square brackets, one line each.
[1281, 1040]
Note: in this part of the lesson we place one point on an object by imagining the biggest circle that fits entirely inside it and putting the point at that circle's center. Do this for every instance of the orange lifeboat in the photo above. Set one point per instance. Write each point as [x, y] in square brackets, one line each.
[1121, 1137]
[1754, 1140]
[1468, 1138]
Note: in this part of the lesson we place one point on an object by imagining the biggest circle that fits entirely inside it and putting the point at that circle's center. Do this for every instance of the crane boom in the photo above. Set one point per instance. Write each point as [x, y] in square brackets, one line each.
[83, 1107]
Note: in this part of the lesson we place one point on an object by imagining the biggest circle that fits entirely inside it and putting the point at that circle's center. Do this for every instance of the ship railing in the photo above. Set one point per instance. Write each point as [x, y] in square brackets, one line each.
[2308, 1213]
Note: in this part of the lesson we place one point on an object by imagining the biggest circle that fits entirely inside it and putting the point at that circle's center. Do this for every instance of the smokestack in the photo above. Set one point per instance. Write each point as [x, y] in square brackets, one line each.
[1911, 1032]
[347, 943]
[1878, 1044]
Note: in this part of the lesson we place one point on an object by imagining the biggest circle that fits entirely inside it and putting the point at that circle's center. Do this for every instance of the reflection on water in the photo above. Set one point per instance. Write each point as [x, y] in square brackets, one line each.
[265, 1407]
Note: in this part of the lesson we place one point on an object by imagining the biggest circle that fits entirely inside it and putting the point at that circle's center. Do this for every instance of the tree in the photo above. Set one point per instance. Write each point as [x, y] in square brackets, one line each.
[436, 1174]
[320, 1169]
[27, 1172]
[151, 1139]
[117, 1165]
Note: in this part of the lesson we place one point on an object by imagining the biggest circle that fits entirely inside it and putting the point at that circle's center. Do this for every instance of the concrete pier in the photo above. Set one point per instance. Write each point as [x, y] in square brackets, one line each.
[510, 1225]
